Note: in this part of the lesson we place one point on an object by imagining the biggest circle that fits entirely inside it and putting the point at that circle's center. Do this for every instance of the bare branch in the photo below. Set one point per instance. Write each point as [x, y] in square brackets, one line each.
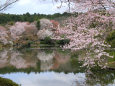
[93, 4]
[6, 4]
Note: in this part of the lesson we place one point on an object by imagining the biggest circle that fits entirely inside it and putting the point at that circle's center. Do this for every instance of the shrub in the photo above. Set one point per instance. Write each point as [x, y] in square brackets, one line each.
[11, 23]
[111, 39]
[63, 42]
[38, 24]
[7, 82]
[47, 40]
[25, 41]
[112, 43]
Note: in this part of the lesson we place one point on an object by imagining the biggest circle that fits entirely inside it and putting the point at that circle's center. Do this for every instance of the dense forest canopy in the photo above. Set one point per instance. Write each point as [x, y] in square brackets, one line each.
[6, 18]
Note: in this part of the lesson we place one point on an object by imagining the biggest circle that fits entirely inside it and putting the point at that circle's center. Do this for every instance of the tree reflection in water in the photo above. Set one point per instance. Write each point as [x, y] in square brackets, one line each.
[66, 62]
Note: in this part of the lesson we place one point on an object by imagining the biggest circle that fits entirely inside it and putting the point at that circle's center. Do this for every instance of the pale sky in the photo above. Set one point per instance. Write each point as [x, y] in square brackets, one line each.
[47, 79]
[36, 6]
[39, 6]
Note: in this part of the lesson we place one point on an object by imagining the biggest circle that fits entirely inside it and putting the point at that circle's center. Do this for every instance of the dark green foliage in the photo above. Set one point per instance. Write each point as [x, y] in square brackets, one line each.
[47, 40]
[5, 18]
[48, 51]
[111, 61]
[7, 82]
[111, 39]
[38, 24]
[74, 55]
[63, 42]
[27, 17]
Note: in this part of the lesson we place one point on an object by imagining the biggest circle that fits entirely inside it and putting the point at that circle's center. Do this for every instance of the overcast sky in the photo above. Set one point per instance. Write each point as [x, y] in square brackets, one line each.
[36, 6]
[47, 79]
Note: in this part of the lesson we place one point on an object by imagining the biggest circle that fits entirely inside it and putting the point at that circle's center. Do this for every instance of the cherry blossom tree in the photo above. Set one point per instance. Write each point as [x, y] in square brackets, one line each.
[88, 31]
[88, 4]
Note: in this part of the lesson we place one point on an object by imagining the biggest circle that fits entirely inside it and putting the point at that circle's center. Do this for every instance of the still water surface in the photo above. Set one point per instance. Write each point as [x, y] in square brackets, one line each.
[33, 67]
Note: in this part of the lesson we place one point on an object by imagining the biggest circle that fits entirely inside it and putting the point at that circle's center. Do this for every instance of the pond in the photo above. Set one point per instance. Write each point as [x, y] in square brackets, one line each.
[51, 67]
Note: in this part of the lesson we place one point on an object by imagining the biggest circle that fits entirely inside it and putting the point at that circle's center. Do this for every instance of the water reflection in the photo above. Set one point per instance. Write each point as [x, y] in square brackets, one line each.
[100, 78]
[94, 57]
[45, 59]
[48, 79]
[16, 59]
[52, 68]
[61, 79]
[3, 59]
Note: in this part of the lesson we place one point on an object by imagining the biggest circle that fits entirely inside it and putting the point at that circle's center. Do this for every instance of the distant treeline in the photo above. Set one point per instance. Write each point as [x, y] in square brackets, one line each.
[5, 18]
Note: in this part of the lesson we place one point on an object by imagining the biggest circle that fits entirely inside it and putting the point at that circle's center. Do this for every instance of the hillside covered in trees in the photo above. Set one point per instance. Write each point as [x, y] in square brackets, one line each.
[8, 18]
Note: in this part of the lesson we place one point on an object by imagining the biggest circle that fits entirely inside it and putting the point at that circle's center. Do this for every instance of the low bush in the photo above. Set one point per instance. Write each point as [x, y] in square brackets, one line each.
[63, 42]
[11, 23]
[7, 82]
[47, 40]
[111, 39]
